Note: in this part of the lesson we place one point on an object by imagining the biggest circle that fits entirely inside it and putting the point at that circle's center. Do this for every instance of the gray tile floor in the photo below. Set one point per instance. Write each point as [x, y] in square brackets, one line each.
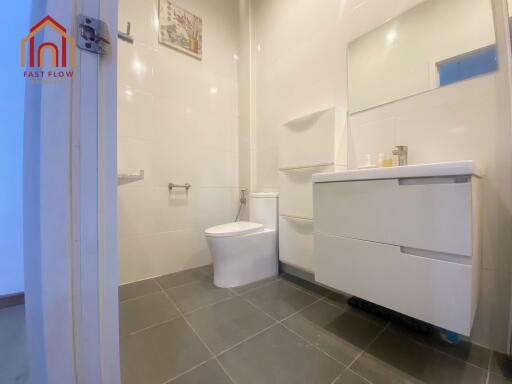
[180, 328]
[13, 351]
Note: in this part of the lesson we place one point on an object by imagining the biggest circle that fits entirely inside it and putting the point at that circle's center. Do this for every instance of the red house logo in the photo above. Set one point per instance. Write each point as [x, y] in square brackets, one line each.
[58, 50]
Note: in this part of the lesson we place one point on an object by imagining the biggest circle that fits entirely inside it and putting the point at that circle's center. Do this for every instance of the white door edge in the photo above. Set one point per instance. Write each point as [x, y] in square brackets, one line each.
[70, 215]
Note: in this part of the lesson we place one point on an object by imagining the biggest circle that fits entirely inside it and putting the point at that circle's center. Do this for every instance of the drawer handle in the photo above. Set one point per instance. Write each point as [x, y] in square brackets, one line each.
[450, 257]
[434, 180]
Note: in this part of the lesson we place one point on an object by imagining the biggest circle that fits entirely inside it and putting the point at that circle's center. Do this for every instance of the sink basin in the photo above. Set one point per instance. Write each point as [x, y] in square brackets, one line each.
[454, 168]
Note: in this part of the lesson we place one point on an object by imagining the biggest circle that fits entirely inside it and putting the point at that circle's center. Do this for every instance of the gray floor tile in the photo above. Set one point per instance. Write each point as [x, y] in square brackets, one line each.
[224, 324]
[311, 288]
[160, 353]
[208, 269]
[277, 356]
[279, 299]
[497, 379]
[340, 333]
[142, 312]
[465, 350]
[13, 349]
[198, 294]
[208, 373]
[257, 284]
[183, 277]
[393, 358]
[349, 377]
[501, 365]
[139, 288]
[339, 300]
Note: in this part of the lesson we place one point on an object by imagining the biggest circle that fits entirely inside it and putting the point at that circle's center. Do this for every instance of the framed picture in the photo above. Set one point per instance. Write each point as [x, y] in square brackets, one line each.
[180, 29]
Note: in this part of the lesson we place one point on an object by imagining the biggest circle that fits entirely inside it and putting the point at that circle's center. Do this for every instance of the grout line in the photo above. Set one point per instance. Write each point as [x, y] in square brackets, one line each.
[369, 344]
[162, 288]
[337, 377]
[357, 374]
[303, 290]
[209, 305]
[139, 297]
[188, 370]
[203, 342]
[489, 368]
[281, 322]
[354, 373]
[314, 346]
[247, 339]
[152, 326]
[257, 287]
[184, 284]
[446, 353]
[438, 350]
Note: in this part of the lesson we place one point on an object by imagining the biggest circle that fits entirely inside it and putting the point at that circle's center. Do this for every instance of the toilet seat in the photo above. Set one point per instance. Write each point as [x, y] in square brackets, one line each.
[233, 229]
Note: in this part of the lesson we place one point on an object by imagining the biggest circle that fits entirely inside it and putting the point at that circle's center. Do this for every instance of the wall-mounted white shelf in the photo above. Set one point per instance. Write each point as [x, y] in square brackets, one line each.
[131, 176]
[313, 143]
[299, 167]
[318, 138]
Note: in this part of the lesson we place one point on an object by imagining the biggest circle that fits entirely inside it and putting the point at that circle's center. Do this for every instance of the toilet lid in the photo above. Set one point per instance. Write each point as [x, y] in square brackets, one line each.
[233, 229]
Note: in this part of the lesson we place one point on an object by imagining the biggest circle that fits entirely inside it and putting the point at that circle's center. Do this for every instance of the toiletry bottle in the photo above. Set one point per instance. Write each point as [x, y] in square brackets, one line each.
[387, 162]
[368, 161]
[380, 160]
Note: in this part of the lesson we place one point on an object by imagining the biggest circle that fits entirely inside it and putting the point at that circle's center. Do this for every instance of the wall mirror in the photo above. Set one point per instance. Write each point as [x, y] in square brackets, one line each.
[435, 44]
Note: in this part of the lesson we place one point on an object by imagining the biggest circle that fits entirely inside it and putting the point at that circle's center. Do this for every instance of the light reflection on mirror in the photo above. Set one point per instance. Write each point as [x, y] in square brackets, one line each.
[437, 43]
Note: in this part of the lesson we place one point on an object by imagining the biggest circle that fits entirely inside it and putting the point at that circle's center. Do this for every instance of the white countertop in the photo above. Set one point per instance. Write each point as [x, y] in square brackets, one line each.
[455, 168]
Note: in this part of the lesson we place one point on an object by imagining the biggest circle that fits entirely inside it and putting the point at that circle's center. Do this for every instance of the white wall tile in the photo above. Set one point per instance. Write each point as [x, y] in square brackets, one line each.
[491, 320]
[136, 114]
[178, 120]
[136, 66]
[378, 136]
[217, 169]
[143, 16]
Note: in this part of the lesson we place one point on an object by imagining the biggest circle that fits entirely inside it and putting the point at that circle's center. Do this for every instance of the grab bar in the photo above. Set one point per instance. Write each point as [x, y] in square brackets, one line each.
[186, 186]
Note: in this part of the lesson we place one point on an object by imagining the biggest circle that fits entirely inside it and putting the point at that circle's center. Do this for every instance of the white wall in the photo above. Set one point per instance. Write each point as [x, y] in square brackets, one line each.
[298, 51]
[299, 66]
[178, 121]
[383, 70]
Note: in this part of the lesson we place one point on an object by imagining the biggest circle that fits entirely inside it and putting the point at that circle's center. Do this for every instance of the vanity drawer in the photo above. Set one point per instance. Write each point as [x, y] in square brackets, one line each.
[436, 291]
[296, 242]
[425, 213]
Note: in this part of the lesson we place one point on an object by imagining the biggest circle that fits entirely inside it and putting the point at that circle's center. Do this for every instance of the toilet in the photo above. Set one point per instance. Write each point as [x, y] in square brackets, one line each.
[244, 252]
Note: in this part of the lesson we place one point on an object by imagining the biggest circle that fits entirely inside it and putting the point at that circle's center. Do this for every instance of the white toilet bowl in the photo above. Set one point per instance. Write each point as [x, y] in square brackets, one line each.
[244, 252]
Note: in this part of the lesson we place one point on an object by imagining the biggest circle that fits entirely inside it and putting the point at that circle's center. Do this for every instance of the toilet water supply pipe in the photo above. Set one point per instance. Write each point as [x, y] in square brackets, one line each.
[243, 201]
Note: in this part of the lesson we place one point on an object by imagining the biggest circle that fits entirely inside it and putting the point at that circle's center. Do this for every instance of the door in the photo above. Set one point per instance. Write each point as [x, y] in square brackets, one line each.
[70, 214]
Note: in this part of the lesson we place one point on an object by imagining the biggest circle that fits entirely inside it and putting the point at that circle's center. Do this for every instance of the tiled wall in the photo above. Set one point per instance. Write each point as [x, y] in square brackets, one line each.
[178, 121]
[451, 123]
[299, 66]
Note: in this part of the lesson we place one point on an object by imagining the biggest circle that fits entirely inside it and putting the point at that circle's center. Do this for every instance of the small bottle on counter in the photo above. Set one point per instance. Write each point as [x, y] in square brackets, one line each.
[387, 162]
[380, 160]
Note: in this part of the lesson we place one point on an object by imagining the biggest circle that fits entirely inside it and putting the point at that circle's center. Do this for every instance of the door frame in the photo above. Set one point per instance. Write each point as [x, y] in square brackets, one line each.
[70, 211]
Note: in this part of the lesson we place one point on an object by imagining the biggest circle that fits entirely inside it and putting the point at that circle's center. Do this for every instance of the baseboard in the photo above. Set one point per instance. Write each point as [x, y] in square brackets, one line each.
[304, 275]
[12, 300]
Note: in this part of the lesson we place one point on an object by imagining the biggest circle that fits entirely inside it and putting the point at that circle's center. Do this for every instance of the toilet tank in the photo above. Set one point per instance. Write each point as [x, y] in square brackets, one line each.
[263, 209]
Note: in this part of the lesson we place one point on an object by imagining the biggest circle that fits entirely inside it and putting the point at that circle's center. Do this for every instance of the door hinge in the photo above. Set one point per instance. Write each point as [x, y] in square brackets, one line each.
[93, 35]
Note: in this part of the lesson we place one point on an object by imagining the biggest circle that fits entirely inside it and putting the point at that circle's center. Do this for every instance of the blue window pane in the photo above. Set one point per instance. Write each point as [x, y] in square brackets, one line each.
[468, 65]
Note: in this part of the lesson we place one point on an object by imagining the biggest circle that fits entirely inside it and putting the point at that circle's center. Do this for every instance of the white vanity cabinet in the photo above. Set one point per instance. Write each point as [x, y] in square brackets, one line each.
[406, 238]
